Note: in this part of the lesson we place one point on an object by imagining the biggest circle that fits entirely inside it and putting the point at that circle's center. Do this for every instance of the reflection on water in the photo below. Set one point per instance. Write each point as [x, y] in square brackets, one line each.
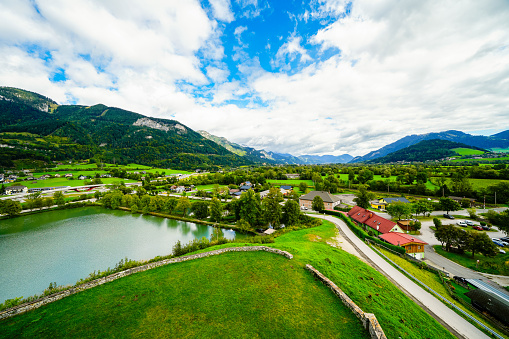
[64, 246]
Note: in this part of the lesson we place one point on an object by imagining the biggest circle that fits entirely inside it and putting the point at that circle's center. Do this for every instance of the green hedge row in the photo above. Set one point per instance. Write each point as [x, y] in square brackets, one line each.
[362, 234]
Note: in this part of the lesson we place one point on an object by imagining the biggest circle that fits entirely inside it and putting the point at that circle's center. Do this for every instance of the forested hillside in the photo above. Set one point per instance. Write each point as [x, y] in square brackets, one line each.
[37, 128]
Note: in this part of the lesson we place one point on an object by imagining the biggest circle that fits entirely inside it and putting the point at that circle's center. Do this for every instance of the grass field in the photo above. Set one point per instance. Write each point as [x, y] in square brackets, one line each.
[498, 265]
[483, 159]
[479, 183]
[75, 168]
[467, 151]
[500, 150]
[291, 182]
[65, 182]
[245, 294]
[225, 296]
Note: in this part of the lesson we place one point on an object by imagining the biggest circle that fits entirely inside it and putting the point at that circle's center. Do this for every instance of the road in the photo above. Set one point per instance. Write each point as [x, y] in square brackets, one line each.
[458, 326]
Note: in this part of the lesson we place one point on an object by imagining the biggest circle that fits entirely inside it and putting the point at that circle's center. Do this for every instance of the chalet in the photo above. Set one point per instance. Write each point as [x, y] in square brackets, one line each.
[378, 224]
[180, 189]
[285, 189]
[16, 189]
[68, 175]
[329, 200]
[413, 246]
[233, 191]
[292, 176]
[82, 177]
[57, 175]
[246, 186]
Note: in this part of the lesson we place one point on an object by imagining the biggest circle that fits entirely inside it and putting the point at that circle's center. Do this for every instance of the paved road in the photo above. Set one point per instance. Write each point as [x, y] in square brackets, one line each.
[459, 326]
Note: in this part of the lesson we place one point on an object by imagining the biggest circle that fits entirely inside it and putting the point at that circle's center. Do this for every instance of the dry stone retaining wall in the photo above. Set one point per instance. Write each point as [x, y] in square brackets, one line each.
[60, 295]
[369, 320]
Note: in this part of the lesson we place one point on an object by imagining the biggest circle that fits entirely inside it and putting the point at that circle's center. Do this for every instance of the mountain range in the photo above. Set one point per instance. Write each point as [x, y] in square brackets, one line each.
[500, 140]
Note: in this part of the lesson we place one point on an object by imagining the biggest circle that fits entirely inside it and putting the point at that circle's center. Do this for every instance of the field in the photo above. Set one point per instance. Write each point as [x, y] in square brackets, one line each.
[291, 182]
[467, 151]
[75, 168]
[483, 159]
[245, 294]
[497, 265]
[479, 183]
[65, 182]
[237, 295]
[500, 150]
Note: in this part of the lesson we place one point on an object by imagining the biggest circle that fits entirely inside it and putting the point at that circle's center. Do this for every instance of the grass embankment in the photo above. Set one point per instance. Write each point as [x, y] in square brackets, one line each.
[227, 296]
[247, 294]
[432, 280]
[498, 265]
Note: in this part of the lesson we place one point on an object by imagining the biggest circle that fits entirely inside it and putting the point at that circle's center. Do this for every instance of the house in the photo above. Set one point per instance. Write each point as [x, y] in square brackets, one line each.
[413, 246]
[494, 304]
[459, 200]
[329, 200]
[233, 191]
[285, 189]
[180, 189]
[68, 175]
[246, 186]
[1, 177]
[292, 176]
[57, 175]
[384, 202]
[16, 189]
[378, 224]
[82, 177]
[263, 194]
[405, 224]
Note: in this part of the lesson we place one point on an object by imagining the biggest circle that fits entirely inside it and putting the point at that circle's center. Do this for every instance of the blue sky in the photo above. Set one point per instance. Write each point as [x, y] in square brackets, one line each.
[300, 77]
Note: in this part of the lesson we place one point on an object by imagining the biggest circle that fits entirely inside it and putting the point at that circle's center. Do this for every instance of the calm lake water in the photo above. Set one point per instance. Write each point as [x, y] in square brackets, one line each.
[64, 246]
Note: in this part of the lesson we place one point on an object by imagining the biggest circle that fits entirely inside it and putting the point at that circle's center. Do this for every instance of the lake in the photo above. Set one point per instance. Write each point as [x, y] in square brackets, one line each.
[66, 245]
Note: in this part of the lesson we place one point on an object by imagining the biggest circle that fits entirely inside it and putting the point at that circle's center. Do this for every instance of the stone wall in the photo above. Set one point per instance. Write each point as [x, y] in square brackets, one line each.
[75, 289]
[368, 320]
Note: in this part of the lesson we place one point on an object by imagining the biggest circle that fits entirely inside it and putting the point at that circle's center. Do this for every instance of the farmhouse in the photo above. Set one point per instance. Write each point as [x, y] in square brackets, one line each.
[329, 200]
[292, 176]
[378, 224]
[384, 202]
[413, 246]
[16, 189]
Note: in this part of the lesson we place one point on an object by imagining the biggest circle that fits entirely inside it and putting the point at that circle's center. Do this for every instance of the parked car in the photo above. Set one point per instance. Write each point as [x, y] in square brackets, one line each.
[469, 222]
[497, 242]
[448, 216]
[504, 242]
[486, 227]
[501, 251]
[479, 228]
[506, 239]
[460, 280]
[461, 223]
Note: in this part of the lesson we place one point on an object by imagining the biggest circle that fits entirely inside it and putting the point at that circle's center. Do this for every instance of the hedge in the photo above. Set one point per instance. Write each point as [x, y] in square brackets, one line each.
[362, 234]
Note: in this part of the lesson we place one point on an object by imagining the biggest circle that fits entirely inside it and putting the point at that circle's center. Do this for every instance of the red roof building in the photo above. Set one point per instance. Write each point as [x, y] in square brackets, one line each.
[371, 219]
[412, 245]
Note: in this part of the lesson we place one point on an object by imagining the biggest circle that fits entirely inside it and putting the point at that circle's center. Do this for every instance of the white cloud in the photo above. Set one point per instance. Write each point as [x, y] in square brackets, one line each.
[289, 51]
[217, 75]
[222, 10]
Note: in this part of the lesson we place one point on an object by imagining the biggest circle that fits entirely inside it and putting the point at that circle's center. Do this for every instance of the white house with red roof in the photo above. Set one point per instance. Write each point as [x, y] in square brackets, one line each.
[412, 245]
[368, 218]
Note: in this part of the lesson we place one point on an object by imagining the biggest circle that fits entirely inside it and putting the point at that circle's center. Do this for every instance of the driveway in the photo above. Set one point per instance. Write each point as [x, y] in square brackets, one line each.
[456, 324]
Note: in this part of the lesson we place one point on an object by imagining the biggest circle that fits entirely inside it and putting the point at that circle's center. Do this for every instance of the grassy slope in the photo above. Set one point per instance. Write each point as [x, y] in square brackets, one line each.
[64, 182]
[253, 294]
[467, 151]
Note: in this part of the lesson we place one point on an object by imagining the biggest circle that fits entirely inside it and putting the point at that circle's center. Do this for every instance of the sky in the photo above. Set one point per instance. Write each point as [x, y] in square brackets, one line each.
[299, 77]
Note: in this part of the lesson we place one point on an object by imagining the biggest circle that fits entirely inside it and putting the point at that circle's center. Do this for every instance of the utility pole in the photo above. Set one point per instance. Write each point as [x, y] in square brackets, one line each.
[495, 199]
[484, 204]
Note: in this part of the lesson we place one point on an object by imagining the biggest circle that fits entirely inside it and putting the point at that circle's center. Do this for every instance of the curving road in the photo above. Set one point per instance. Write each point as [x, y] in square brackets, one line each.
[455, 323]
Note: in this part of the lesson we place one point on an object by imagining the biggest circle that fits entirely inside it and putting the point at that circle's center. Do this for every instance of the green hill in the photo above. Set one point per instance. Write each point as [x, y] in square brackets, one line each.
[109, 133]
[427, 150]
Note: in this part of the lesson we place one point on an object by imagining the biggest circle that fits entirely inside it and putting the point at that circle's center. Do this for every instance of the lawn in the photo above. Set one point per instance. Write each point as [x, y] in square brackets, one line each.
[237, 295]
[291, 182]
[245, 294]
[483, 159]
[500, 150]
[467, 151]
[498, 265]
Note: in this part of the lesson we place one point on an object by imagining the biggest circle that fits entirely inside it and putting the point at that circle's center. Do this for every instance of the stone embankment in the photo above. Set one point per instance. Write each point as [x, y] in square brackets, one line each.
[368, 320]
[75, 289]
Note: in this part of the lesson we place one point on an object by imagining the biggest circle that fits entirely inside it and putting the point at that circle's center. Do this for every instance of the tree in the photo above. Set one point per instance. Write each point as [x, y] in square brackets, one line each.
[437, 223]
[48, 202]
[271, 207]
[216, 209]
[472, 213]
[364, 176]
[183, 205]
[170, 205]
[363, 197]
[134, 208]
[59, 198]
[415, 225]
[481, 243]
[250, 208]
[200, 209]
[447, 204]
[423, 207]
[399, 209]
[291, 213]
[446, 234]
[243, 225]
[9, 207]
[303, 186]
[317, 204]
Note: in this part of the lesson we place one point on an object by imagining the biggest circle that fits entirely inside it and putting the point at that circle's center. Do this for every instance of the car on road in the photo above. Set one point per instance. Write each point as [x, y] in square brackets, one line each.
[448, 216]
[469, 222]
[498, 242]
[461, 223]
[479, 228]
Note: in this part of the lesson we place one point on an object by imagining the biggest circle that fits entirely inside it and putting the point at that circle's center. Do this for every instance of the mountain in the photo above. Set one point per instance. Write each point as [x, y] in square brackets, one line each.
[502, 135]
[263, 156]
[426, 150]
[480, 141]
[35, 127]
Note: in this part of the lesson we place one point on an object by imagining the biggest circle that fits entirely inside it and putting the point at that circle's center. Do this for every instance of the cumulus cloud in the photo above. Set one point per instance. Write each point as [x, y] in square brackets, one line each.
[366, 78]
